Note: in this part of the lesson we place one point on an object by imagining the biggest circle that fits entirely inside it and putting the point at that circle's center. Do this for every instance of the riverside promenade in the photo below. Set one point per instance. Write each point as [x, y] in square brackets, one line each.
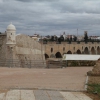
[43, 84]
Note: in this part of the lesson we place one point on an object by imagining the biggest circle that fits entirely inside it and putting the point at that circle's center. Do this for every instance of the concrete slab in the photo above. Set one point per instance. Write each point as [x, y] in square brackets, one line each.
[69, 96]
[75, 96]
[55, 95]
[41, 95]
[81, 96]
[27, 95]
[56, 98]
[2, 96]
[13, 95]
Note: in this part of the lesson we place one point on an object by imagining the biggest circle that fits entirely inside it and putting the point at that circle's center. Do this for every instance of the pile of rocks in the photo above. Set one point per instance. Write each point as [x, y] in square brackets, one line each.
[95, 71]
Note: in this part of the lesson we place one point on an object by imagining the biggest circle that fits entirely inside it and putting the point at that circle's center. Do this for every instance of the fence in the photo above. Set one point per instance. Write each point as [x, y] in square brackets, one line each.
[71, 63]
[22, 63]
[42, 64]
[56, 64]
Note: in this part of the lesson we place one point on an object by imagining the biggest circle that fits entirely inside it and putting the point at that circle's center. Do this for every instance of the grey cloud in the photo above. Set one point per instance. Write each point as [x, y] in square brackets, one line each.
[25, 0]
[37, 0]
[46, 17]
[77, 6]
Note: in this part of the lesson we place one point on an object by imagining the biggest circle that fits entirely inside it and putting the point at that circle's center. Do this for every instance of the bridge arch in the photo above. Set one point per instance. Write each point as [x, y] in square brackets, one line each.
[58, 55]
[98, 50]
[46, 56]
[86, 50]
[93, 50]
[69, 52]
[78, 51]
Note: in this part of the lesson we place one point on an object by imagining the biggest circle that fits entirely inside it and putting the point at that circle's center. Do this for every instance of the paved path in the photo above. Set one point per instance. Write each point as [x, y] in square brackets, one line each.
[42, 95]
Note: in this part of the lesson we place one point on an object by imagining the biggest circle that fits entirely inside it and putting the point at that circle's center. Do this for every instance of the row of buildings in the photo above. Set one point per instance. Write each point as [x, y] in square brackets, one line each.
[66, 37]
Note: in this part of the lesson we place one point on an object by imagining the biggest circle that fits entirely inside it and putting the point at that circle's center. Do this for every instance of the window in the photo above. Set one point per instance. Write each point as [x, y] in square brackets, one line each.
[51, 49]
[82, 47]
[63, 48]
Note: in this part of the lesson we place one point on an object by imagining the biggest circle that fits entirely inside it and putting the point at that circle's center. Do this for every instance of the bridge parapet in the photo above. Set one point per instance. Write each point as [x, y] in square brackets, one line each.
[78, 42]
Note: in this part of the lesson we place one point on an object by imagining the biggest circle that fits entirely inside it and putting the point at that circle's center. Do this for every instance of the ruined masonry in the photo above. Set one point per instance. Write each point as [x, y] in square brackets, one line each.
[17, 50]
[94, 75]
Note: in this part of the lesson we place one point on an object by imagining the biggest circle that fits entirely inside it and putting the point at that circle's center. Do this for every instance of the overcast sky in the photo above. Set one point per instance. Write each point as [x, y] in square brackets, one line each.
[51, 17]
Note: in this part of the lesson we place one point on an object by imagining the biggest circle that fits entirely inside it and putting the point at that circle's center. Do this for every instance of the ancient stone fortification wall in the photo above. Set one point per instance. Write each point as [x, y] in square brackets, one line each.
[27, 42]
[25, 53]
[27, 49]
[3, 47]
[5, 51]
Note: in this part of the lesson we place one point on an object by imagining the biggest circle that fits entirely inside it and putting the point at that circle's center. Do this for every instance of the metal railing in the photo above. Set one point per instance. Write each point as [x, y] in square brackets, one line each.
[56, 64]
[42, 64]
[22, 63]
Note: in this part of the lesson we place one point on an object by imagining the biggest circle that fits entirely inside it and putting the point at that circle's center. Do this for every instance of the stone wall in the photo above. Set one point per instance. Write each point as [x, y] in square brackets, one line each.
[3, 47]
[29, 48]
[25, 53]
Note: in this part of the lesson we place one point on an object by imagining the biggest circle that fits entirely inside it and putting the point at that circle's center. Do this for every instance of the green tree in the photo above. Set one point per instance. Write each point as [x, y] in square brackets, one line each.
[85, 37]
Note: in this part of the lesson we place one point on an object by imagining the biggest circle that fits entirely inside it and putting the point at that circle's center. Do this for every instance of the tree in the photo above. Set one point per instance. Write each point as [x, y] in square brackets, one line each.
[55, 38]
[75, 38]
[62, 38]
[59, 40]
[85, 37]
[52, 38]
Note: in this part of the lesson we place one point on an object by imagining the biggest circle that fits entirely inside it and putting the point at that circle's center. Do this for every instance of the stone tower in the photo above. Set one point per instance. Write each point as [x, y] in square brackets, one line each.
[10, 41]
[11, 35]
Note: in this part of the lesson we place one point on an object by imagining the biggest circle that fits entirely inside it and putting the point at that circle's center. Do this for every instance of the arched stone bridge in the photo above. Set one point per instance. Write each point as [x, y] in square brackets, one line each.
[53, 50]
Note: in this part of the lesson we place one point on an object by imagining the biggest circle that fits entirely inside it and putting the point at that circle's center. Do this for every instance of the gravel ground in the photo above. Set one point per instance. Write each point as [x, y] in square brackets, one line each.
[70, 78]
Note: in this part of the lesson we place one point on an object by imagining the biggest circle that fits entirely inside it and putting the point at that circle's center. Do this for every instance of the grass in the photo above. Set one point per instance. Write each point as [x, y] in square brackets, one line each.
[94, 89]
